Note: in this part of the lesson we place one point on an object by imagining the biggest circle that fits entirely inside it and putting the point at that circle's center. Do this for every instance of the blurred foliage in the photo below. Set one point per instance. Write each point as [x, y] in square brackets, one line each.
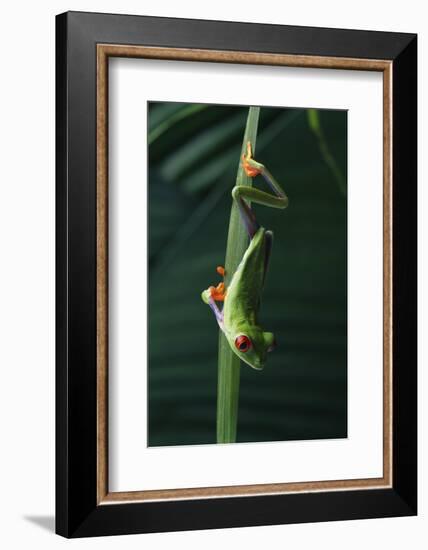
[193, 158]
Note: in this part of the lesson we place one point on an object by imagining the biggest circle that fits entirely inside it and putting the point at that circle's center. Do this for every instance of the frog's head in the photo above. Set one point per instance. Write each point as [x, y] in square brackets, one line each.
[252, 345]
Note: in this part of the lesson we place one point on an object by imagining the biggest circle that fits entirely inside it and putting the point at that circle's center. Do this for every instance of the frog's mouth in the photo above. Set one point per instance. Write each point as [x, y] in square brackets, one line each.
[257, 365]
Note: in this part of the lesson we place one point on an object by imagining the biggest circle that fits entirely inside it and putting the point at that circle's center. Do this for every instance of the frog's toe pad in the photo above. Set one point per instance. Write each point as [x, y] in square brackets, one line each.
[220, 270]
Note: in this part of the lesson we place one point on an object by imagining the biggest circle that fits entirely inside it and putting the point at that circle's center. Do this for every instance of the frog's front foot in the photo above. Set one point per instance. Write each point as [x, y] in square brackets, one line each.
[216, 293]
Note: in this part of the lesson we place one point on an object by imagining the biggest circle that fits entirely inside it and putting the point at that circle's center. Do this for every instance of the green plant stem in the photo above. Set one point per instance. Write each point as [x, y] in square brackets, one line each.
[228, 362]
[315, 125]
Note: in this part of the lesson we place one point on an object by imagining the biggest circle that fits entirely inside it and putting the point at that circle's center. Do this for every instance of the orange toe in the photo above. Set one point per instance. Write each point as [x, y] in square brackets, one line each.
[249, 170]
[218, 293]
[220, 270]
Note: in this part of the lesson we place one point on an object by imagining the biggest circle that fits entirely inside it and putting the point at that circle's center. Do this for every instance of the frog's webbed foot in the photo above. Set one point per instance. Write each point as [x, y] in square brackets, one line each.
[250, 166]
[215, 294]
[218, 293]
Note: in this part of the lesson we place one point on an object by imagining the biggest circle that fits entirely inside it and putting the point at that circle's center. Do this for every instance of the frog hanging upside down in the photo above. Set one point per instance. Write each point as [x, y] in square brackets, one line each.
[241, 300]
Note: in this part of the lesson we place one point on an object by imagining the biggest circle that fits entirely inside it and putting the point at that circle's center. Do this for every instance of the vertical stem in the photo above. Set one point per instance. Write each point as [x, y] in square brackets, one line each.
[228, 362]
[315, 125]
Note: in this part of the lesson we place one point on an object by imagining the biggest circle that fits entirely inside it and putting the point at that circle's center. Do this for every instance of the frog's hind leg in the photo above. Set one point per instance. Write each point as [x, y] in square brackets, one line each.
[247, 215]
[253, 168]
[244, 194]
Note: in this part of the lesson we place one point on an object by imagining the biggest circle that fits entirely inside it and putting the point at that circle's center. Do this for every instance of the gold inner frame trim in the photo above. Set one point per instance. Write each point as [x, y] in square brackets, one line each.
[104, 51]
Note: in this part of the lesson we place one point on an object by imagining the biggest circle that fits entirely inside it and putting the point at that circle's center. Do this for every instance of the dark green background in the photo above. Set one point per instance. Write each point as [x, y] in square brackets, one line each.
[193, 158]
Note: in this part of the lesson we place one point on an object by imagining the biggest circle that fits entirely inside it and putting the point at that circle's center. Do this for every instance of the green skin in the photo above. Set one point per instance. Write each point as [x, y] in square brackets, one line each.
[242, 300]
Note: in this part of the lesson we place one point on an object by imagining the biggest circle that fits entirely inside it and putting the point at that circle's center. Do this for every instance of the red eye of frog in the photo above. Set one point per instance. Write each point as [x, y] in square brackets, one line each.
[242, 343]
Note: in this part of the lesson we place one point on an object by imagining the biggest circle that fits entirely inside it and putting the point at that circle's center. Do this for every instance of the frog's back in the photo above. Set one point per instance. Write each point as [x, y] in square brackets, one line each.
[243, 293]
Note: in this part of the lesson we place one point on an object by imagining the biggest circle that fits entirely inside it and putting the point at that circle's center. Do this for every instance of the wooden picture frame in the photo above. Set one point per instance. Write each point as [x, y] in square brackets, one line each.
[84, 504]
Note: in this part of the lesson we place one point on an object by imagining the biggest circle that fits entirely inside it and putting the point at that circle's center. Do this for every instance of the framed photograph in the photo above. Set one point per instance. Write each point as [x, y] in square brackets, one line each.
[236, 274]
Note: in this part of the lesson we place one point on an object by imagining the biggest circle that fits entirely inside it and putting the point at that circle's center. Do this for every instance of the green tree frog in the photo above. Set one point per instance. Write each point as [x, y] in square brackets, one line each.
[241, 300]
